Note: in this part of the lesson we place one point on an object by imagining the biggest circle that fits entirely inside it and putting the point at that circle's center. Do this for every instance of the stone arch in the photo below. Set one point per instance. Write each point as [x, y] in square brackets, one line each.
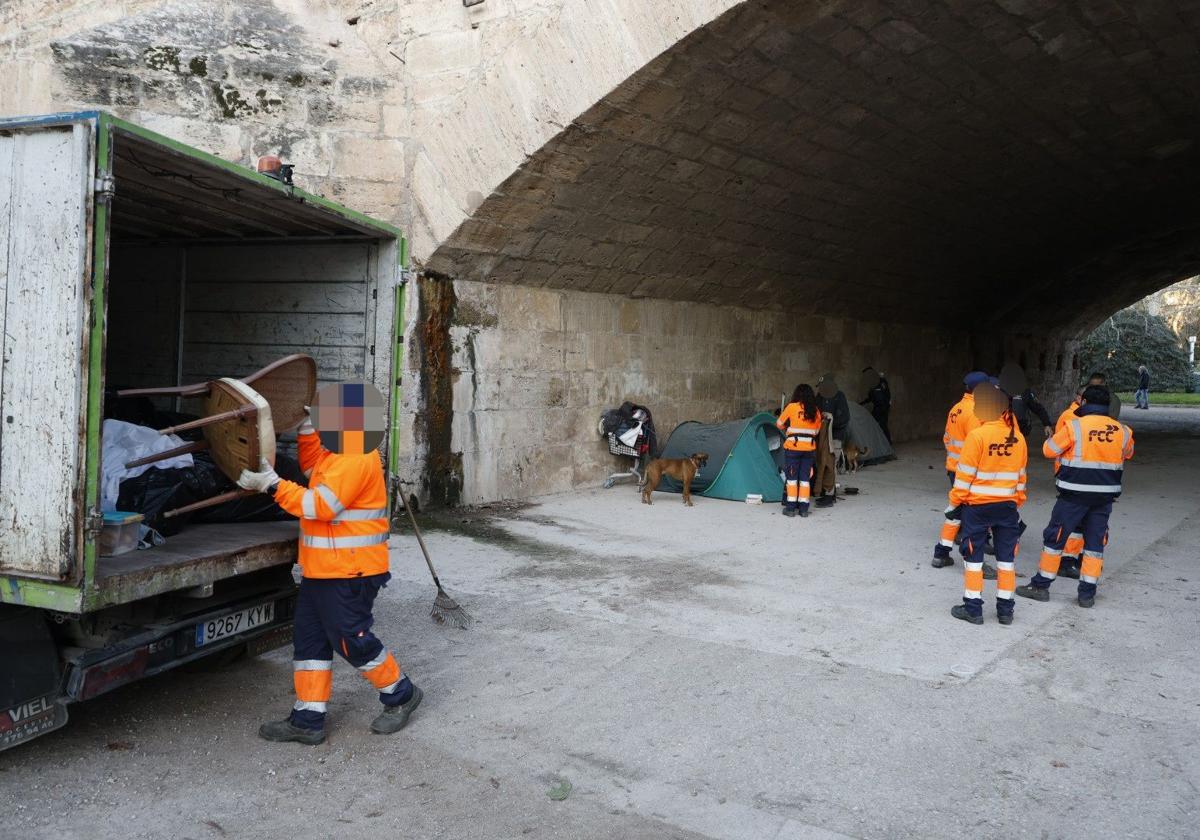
[954, 182]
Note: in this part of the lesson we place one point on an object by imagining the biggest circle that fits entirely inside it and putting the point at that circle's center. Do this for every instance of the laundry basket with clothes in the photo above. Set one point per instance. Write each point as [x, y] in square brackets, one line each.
[629, 431]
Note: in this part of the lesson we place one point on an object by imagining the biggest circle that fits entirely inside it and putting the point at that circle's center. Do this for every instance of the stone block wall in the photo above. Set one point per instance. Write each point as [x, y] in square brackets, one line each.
[533, 368]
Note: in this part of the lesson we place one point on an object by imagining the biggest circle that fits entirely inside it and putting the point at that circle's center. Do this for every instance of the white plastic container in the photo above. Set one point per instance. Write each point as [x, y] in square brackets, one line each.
[754, 498]
[120, 533]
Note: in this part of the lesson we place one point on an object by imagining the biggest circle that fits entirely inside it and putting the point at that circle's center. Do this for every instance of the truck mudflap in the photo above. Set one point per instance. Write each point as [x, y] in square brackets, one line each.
[261, 623]
[30, 719]
[29, 698]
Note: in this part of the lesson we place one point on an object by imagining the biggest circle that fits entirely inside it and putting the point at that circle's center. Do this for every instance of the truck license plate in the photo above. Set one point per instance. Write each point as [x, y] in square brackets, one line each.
[234, 623]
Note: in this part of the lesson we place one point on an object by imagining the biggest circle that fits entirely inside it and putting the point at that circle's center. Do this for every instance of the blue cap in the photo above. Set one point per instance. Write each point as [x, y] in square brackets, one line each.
[974, 379]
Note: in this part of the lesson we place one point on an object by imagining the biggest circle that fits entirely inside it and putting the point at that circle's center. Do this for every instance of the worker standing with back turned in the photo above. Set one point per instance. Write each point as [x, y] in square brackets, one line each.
[344, 559]
[1091, 452]
[988, 491]
[1073, 550]
[960, 422]
[800, 422]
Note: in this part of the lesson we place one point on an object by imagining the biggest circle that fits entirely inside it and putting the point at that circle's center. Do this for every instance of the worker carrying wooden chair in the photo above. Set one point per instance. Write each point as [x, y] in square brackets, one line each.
[343, 557]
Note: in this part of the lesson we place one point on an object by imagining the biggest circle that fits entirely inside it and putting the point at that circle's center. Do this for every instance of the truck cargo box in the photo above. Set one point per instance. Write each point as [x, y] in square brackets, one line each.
[130, 260]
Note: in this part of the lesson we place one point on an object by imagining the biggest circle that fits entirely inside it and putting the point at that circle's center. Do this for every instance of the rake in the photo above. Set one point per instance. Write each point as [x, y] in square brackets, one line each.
[445, 609]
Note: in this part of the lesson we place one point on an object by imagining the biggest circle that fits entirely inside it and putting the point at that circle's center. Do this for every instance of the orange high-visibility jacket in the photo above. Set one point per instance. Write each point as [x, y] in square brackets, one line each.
[800, 435]
[1090, 452]
[343, 514]
[1063, 419]
[991, 467]
[1066, 416]
[959, 423]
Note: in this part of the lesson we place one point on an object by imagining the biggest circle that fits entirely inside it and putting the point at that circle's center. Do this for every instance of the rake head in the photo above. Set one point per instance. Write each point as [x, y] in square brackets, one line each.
[447, 611]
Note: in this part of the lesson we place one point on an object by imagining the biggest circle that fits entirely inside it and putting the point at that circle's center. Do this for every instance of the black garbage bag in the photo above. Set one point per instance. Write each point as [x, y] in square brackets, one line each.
[257, 508]
[157, 491]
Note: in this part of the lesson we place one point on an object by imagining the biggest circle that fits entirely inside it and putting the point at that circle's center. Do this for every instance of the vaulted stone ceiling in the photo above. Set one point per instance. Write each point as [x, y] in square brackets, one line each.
[1026, 162]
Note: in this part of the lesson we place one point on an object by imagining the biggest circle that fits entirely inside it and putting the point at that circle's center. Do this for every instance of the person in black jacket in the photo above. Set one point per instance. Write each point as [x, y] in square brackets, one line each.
[833, 403]
[878, 399]
[1025, 403]
[1142, 396]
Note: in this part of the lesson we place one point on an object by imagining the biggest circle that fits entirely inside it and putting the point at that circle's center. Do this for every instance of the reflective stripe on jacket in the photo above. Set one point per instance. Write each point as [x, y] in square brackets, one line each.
[343, 512]
[1066, 417]
[799, 434]
[959, 423]
[1091, 452]
[991, 467]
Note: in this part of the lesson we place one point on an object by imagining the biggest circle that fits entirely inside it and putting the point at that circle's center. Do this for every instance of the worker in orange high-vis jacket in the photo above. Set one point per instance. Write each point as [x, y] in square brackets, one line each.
[960, 421]
[800, 422]
[1091, 451]
[988, 491]
[1074, 546]
[344, 560]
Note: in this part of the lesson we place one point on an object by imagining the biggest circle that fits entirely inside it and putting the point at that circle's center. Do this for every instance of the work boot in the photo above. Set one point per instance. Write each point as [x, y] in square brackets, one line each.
[285, 730]
[941, 557]
[1069, 568]
[789, 511]
[960, 611]
[804, 512]
[393, 718]
[1087, 601]
[1004, 618]
[1033, 592]
[989, 572]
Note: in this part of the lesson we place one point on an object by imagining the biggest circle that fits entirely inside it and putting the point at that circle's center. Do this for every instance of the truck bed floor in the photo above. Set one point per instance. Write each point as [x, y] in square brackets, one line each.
[197, 555]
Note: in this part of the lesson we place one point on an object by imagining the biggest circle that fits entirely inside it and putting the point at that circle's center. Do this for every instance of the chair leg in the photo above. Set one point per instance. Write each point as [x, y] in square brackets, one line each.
[235, 414]
[215, 500]
[194, 446]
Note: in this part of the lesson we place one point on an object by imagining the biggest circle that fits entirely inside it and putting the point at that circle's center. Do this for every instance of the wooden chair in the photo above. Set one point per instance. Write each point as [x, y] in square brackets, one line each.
[237, 430]
[241, 419]
[288, 385]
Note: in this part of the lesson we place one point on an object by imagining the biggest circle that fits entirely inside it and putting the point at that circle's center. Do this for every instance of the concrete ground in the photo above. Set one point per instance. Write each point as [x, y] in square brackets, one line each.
[717, 671]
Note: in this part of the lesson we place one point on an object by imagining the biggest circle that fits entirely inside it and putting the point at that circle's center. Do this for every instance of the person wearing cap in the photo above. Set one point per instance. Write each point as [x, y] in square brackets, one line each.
[1091, 451]
[343, 558]
[960, 422]
[987, 493]
[878, 399]
[1074, 546]
[1069, 414]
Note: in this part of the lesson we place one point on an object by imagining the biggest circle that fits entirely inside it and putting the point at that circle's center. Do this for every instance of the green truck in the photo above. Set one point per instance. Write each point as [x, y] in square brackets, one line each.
[131, 260]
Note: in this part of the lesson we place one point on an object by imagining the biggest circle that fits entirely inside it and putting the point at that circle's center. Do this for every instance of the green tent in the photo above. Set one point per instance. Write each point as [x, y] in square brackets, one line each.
[744, 456]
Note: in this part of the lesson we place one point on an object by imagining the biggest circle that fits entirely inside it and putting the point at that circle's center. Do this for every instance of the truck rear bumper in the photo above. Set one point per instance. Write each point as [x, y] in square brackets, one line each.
[167, 646]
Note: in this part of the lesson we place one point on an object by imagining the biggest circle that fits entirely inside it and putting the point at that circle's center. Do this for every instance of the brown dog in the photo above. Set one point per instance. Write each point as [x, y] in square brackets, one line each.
[850, 455]
[680, 469]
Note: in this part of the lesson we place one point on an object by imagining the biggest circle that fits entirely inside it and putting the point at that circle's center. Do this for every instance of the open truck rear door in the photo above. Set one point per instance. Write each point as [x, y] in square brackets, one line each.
[47, 179]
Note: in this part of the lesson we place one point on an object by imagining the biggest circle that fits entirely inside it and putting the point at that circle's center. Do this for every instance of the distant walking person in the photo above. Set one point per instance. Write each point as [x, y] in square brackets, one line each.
[1142, 395]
